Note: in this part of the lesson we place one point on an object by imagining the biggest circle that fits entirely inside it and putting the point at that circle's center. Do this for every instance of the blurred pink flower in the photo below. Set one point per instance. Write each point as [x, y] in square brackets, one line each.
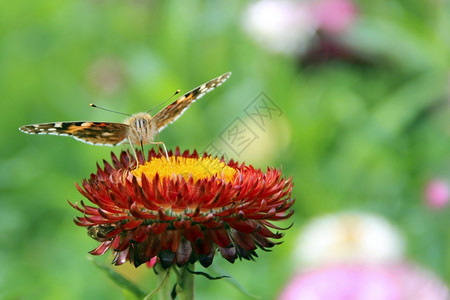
[334, 16]
[365, 282]
[437, 194]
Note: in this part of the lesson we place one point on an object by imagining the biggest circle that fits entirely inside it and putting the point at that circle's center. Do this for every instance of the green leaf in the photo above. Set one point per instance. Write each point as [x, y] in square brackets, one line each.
[131, 290]
[219, 272]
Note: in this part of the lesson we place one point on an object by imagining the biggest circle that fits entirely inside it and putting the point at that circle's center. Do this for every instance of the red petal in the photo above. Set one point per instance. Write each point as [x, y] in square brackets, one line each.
[183, 253]
[194, 233]
[157, 228]
[244, 226]
[136, 212]
[182, 224]
[131, 224]
[152, 246]
[140, 234]
[220, 237]
[101, 249]
[124, 242]
[228, 253]
[244, 240]
[120, 257]
[202, 247]
[165, 218]
[108, 169]
[170, 239]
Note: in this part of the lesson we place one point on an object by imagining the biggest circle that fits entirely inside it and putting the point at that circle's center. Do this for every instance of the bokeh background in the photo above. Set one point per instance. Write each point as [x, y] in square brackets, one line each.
[364, 123]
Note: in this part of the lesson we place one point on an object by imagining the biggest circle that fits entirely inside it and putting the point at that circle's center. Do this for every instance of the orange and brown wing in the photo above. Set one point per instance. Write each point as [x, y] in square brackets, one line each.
[96, 133]
[171, 112]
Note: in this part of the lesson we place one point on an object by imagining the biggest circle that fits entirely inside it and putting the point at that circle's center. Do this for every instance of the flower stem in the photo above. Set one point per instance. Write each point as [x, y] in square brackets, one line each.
[164, 288]
[185, 285]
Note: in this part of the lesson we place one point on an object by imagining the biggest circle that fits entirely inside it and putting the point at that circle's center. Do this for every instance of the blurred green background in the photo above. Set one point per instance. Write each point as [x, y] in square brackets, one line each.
[365, 130]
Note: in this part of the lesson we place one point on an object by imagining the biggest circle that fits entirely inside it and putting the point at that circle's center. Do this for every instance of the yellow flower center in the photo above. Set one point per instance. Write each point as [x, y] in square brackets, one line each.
[198, 168]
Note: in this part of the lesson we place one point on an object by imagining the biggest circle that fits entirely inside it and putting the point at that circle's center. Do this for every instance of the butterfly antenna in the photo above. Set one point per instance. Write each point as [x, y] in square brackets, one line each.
[176, 92]
[113, 111]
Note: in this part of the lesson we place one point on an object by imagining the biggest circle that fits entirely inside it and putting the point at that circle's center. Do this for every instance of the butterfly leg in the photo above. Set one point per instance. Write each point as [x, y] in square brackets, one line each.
[164, 146]
[134, 151]
[142, 149]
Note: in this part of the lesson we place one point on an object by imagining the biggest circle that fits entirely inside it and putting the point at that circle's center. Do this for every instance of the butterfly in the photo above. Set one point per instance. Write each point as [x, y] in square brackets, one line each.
[139, 129]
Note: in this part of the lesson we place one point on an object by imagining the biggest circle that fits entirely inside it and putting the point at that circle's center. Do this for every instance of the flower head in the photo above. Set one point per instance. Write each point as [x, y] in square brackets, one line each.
[184, 209]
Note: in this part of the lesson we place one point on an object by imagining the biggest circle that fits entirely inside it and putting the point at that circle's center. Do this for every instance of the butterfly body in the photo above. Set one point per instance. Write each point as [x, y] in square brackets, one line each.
[139, 129]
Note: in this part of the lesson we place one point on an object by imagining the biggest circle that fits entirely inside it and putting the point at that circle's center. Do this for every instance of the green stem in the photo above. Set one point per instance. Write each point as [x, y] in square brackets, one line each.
[164, 288]
[185, 285]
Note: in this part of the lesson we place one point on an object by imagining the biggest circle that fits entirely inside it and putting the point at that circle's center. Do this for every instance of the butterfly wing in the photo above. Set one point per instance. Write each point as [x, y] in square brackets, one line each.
[171, 112]
[96, 133]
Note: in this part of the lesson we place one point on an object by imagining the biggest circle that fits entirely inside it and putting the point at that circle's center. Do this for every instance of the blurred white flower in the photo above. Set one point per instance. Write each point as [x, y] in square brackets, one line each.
[350, 237]
[366, 282]
[281, 26]
[437, 194]
[289, 26]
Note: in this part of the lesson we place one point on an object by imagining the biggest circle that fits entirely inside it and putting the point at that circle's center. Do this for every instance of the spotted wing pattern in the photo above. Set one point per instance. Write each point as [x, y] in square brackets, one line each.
[97, 133]
[174, 110]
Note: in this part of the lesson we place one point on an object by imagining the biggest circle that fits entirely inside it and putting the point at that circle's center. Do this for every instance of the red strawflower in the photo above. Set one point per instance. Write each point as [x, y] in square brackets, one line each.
[184, 210]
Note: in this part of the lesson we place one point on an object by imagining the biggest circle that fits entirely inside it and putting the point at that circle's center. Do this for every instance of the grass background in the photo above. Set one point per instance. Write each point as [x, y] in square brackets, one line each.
[363, 136]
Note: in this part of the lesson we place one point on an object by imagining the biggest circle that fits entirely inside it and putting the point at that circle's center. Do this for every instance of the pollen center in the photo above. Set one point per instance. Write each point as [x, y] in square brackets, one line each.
[198, 168]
